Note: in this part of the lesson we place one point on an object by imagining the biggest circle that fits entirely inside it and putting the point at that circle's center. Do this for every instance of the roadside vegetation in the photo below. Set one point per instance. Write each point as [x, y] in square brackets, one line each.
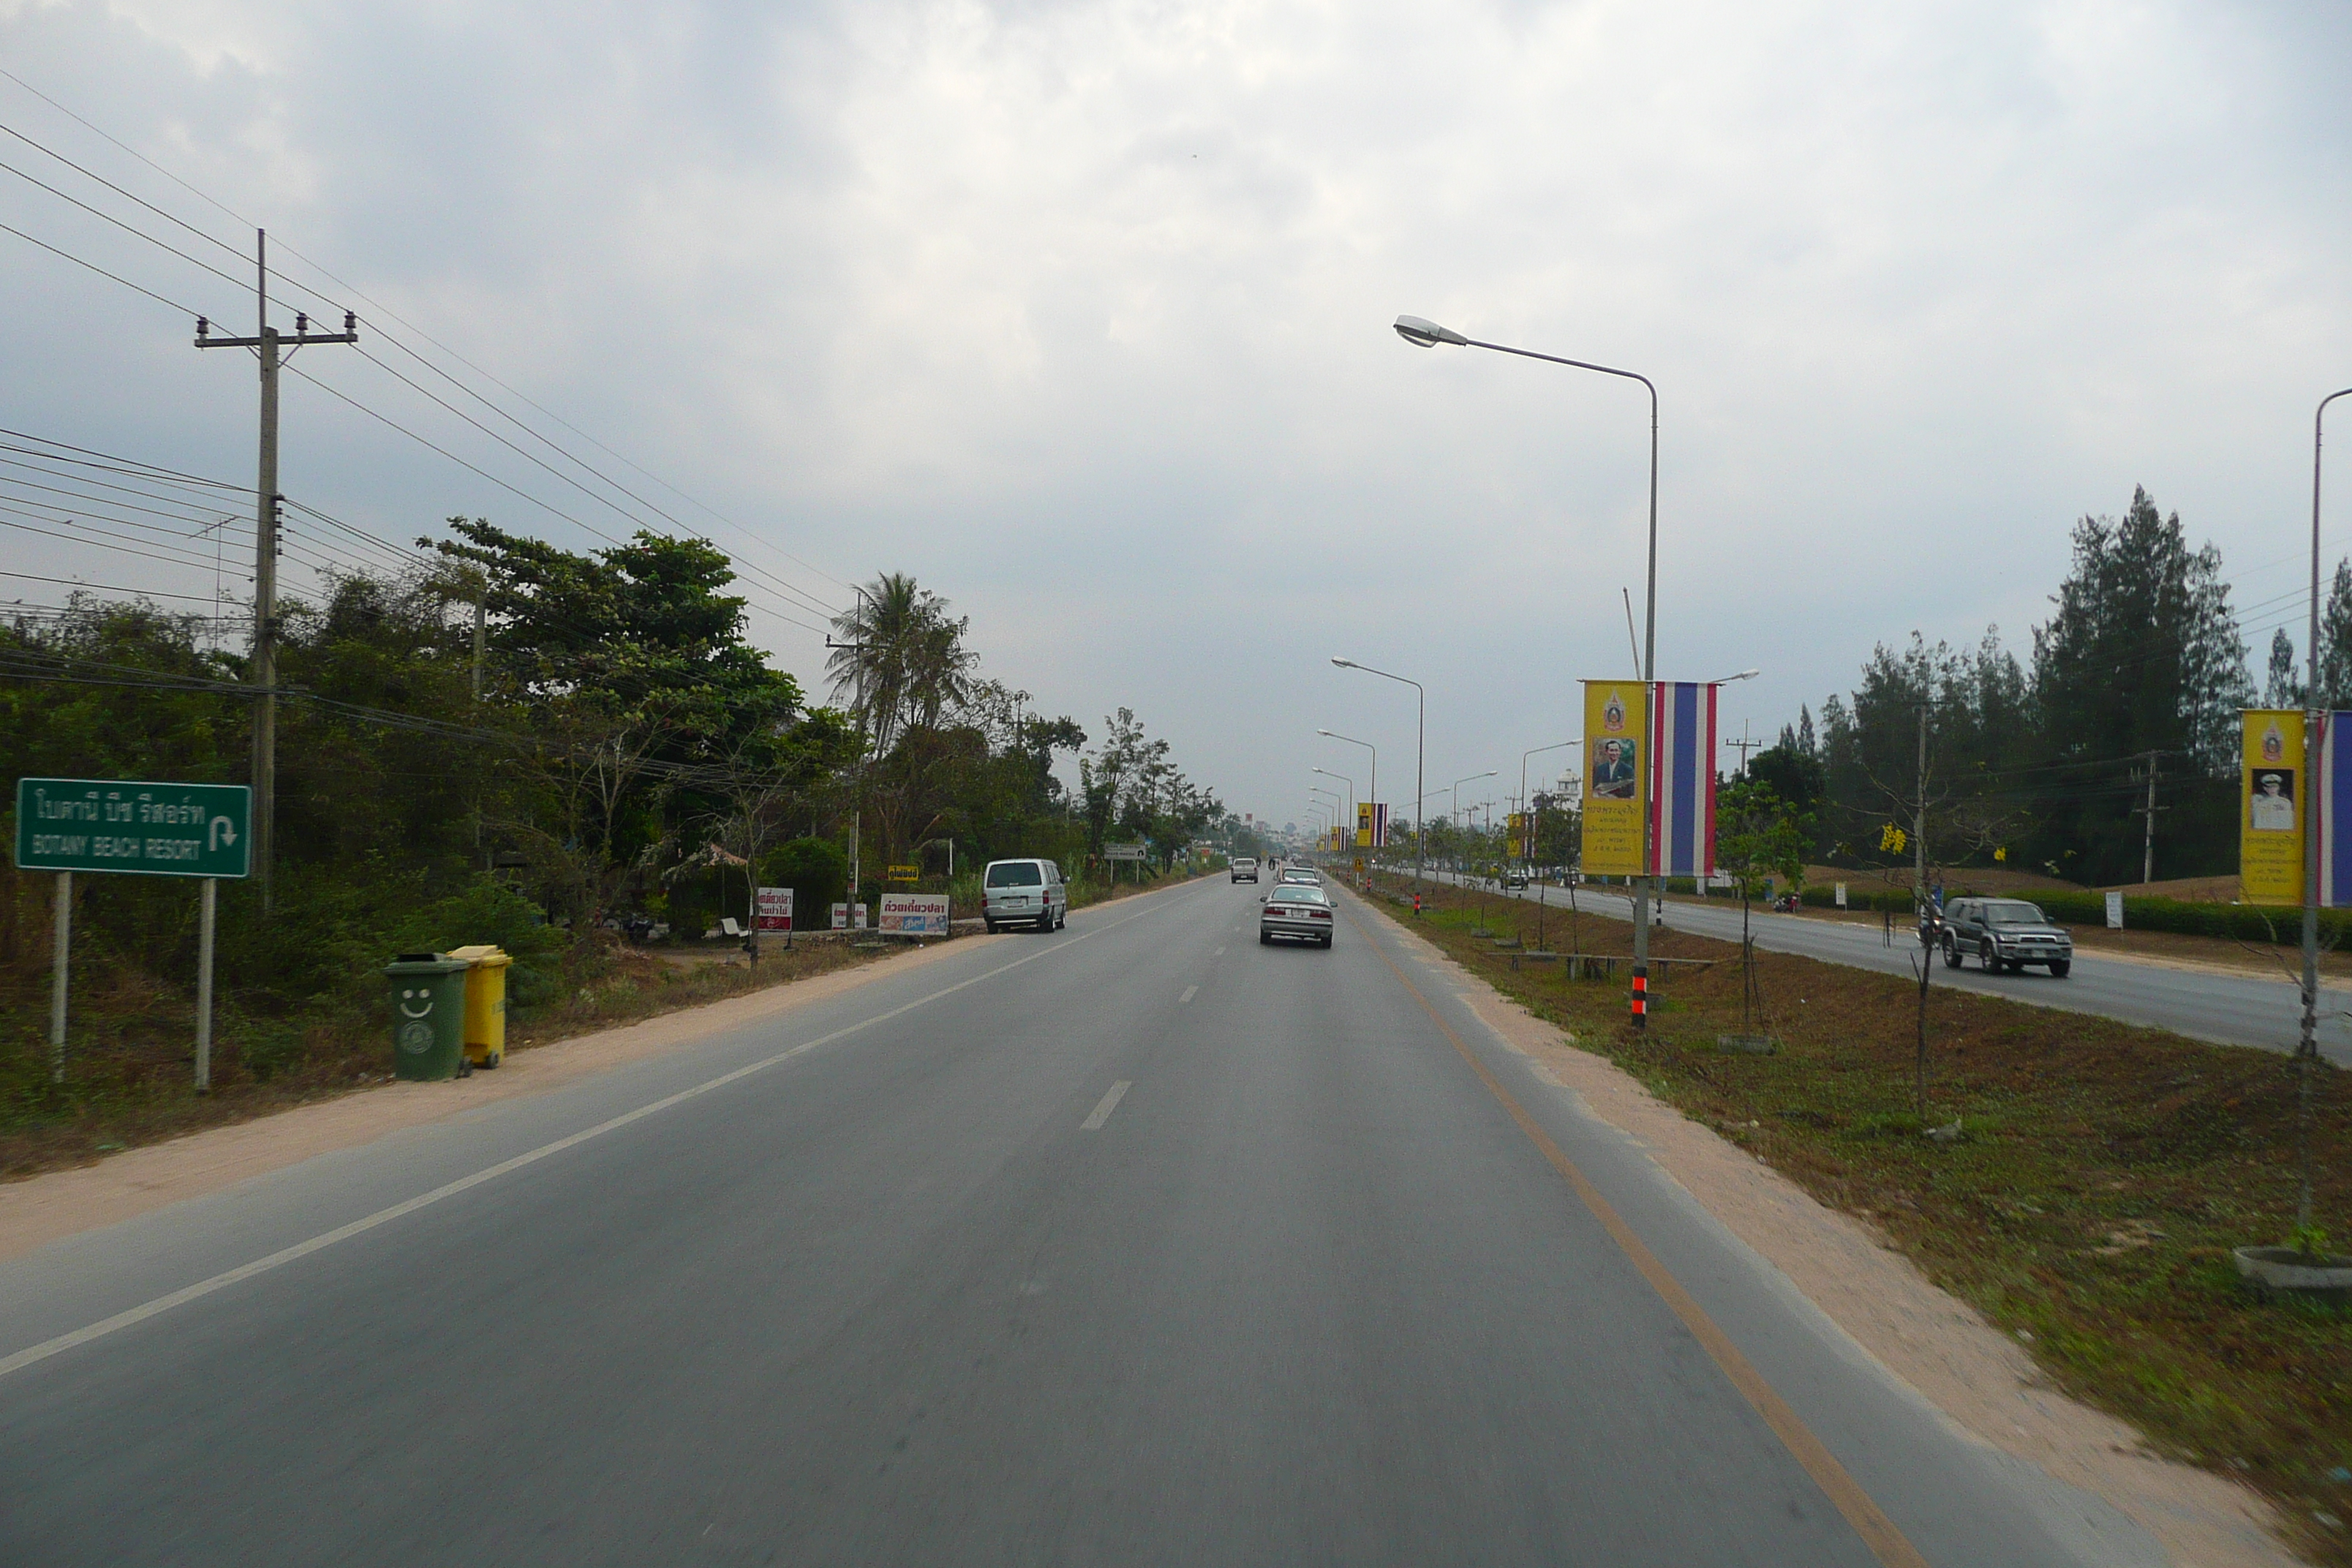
[523, 745]
[2088, 1206]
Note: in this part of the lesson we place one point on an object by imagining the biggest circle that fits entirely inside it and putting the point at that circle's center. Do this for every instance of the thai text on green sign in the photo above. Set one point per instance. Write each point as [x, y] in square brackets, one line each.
[138, 825]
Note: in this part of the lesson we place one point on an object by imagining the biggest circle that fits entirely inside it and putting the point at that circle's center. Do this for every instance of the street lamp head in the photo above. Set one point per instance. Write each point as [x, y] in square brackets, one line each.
[1743, 674]
[1427, 334]
[1343, 663]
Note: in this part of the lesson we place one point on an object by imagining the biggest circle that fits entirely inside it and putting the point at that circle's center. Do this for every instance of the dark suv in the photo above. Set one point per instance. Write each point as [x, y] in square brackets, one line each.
[2004, 933]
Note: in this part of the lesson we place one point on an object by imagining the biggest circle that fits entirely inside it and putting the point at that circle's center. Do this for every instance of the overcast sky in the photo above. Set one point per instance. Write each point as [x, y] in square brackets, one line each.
[1080, 314]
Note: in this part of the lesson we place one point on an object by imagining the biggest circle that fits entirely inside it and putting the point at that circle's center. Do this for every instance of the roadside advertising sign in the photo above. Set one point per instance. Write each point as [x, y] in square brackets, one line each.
[1841, 895]
[905, 874]
[141, 827]
[2114, 912]
[915, 914]
[775, 906]
[1616, 777]
[1123, 851]
[841, 917]
[2271, 807]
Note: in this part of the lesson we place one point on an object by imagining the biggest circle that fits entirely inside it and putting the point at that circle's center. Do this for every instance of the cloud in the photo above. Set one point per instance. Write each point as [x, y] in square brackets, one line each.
[1079, 311]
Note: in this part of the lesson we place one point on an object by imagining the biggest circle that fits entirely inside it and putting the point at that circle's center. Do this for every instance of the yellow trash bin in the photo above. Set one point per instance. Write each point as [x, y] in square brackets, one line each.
[485, 1002]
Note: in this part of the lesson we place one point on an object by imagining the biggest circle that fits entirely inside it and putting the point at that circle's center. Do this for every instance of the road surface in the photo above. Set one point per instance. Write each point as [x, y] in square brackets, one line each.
[2207, 1005]
[1137, 1242]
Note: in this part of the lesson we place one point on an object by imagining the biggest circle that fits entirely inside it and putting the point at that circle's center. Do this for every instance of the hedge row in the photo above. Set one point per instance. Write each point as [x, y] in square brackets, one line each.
[2244, 922]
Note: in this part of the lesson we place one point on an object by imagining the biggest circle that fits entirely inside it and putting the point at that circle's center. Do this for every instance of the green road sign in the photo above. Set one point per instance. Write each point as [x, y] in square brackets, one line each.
[133, 824]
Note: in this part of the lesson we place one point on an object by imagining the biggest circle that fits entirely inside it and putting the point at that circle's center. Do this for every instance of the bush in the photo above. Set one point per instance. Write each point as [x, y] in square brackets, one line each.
[816, 870]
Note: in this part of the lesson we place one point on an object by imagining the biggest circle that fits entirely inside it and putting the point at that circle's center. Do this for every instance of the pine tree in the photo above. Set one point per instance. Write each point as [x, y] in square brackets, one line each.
[1805, 732]
[2280, 687]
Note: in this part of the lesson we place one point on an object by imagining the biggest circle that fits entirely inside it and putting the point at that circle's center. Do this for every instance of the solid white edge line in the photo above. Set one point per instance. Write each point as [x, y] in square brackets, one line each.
[42, 1351]
[1104, 1107]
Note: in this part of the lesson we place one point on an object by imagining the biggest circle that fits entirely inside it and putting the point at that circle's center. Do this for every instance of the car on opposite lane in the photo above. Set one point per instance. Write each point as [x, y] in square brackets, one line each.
[2004, 933]
[1295, 912]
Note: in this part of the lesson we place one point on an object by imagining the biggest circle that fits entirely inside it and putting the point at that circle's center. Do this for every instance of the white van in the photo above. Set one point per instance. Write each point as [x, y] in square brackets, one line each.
[1024, 892]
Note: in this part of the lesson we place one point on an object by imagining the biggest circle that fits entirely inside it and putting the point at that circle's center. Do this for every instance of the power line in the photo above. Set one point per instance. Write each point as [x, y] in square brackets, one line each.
[102, 272]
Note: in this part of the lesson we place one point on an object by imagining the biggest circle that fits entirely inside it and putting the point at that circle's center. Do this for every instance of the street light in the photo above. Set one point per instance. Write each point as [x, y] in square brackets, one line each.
[1528, 805]
[1419, 755]
[1372, 788]
[2306, 1051]
[1456, 786]
[1743, 674]
[1333, 808]
[1428, 336]
[1344, 779]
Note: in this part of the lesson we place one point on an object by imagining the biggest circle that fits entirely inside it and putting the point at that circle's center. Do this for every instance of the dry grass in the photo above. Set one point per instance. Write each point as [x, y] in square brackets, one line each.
[131, 1063]
[2105, 1173]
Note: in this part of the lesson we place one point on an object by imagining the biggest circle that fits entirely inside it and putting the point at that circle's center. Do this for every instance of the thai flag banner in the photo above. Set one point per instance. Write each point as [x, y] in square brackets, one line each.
[2334, 799]
[1682, 779]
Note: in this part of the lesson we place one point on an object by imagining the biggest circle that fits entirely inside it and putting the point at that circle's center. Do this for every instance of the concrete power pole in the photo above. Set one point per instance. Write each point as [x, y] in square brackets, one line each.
[2148, 855]
[1920, 820]
[274, 347]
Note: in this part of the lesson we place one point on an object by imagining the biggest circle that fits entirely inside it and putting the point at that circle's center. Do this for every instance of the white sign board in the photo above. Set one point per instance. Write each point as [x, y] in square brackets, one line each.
[1841, 895]
[1123, 851]
[850, 917]
[2116, 910]
[915, 914]
[776, 906]
[840, 917]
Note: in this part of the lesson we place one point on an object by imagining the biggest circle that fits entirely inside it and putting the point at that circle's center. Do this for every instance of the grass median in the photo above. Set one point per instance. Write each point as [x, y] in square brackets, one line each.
[2102, 1175]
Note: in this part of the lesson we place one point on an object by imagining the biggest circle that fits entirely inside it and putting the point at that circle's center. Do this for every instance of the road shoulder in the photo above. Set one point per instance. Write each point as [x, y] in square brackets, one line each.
[1931, 1341]
[45, 1208]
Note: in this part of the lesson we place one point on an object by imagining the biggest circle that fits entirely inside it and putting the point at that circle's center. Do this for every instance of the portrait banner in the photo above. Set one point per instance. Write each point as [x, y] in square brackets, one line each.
[1616, 777]
[2274, 799]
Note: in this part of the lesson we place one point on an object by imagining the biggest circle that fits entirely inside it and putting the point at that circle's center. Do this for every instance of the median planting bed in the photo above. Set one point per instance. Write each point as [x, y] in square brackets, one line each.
[2102, 1175]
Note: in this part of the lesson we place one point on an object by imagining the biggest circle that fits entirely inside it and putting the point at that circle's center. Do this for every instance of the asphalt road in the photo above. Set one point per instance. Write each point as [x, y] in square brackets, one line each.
[1139, 1243]
[2207, 1005]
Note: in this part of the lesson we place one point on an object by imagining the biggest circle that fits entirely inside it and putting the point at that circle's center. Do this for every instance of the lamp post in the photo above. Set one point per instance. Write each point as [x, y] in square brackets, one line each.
[1372, 788]
[1344, 779]
[1454, 790]
[1333, 808]
[1528, 805]
[1419, 755]
[1428, 336]
[2306, 1051]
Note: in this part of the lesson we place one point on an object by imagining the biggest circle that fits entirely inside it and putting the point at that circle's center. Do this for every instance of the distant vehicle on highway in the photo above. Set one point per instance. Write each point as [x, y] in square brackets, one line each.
[1300, 875]
[1295, 912]
[1513, 880]
[1244, 867]
[2004, 933]
[1024, 892]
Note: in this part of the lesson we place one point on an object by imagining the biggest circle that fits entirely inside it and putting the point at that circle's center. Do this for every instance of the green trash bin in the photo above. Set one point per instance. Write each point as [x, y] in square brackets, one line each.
[428, 1014]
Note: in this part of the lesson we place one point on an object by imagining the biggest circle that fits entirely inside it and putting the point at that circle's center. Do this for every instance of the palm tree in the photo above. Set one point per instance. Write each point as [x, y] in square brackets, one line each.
[901, 662]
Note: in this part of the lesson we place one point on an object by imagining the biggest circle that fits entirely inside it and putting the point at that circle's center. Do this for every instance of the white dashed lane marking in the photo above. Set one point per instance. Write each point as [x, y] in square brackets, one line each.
[1108, 1103]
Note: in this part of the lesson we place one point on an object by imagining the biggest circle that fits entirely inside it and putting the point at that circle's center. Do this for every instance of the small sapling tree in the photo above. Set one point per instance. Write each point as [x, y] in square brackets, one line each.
[1760, 839]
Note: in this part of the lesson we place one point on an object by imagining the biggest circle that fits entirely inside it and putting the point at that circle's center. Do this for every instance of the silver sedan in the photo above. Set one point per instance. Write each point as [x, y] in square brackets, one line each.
[1296, 913]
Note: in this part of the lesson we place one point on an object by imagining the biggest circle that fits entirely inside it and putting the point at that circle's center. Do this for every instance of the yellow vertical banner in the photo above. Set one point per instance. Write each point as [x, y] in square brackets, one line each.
[1363, 825]
[2273, 794]
[1616, 777]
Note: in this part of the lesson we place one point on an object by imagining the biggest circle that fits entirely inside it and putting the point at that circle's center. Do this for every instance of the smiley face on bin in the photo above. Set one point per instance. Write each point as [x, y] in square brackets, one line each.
[415, 1032]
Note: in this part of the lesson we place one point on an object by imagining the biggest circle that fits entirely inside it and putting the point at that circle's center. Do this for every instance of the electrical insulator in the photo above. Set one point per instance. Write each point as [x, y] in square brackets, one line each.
[203, 328]
[301, 323]
[351, 321]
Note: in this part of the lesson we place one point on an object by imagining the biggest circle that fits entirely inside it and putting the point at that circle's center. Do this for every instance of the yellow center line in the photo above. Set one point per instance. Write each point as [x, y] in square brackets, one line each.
[1868, 1519]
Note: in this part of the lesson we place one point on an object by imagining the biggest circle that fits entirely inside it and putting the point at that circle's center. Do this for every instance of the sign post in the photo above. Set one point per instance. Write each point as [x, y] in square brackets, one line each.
[774, 912]
[138, 828]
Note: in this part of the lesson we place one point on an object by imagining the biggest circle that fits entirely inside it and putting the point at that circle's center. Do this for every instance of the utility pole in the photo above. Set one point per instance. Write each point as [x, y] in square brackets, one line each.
[2148, 855]
[1743, 746]
[274, 348]
[1920, 820]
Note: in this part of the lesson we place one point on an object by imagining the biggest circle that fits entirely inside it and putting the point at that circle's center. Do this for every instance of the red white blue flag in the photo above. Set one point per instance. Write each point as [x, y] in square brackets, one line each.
[1682, 778]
